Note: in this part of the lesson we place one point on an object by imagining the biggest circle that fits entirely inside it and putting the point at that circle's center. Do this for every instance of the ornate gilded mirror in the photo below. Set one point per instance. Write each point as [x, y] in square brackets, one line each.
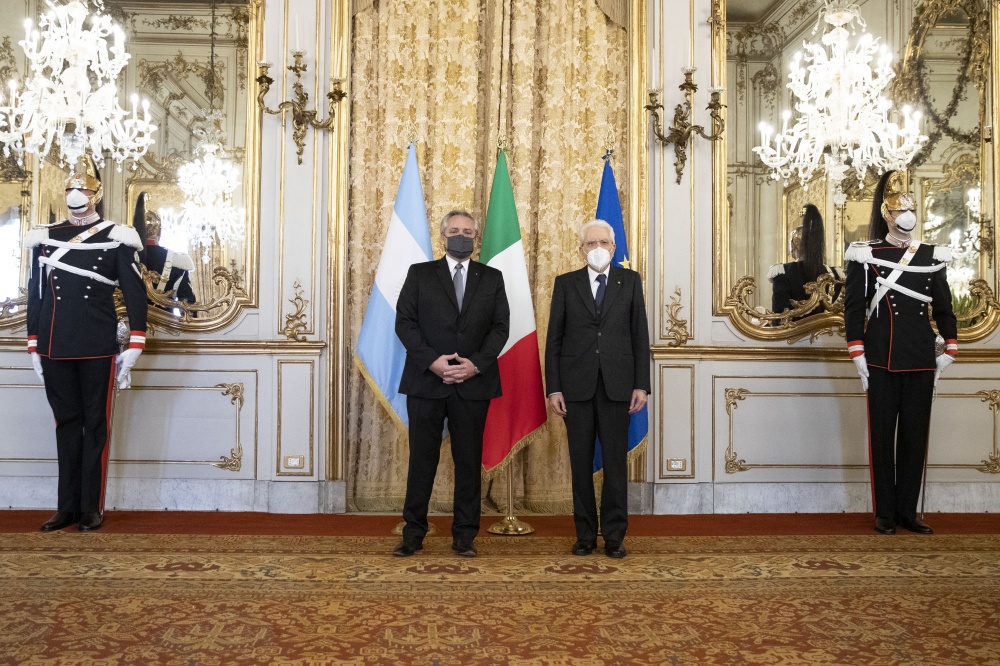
[187, 58]
[937, 55]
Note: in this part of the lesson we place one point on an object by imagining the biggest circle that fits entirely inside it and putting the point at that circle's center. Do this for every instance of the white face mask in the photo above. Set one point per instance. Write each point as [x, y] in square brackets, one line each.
[906, 222]
[77, 201]
[598, 259]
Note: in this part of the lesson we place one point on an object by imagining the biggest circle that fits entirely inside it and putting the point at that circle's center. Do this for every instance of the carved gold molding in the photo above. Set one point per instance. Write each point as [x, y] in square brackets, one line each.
[762, 324]
[677, 329]
[991, 464]
[234, 461]
[295, 323]
[733, 300]
[733, 396]
[734, 464]
[983, 315]
[208, 316]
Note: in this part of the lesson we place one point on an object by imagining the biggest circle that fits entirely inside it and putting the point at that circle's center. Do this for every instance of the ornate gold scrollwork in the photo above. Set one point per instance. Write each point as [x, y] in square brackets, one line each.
[677, 329]
[12, 310]
[295, 323]
[227, 302]
[234, 461]
[761, 323]
[983, 313]
[991, 464]
[734, 464]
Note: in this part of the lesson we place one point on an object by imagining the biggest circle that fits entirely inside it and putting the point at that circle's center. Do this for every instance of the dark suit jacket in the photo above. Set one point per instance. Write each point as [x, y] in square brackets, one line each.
[73, 316]
[899, 336]
[580, 343]
[429, 325]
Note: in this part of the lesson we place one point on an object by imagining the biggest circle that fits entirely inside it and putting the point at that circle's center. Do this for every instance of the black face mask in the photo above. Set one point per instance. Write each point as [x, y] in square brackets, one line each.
[460, 247]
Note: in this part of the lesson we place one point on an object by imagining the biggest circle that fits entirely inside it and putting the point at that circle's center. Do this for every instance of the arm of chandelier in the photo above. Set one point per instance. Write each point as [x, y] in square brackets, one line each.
[302, 116]
[682, 128]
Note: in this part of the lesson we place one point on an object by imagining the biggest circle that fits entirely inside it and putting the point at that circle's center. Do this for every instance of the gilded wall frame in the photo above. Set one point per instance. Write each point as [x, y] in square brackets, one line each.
[730, 298]
[240, 291]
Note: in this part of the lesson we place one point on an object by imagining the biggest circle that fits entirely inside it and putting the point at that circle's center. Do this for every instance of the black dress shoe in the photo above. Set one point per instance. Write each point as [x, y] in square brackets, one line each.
[90, 521]
[464, 548]
[885, 525]
[914, 525]
[60, 520]
[615, 549]
[584, 546]
[407, 547]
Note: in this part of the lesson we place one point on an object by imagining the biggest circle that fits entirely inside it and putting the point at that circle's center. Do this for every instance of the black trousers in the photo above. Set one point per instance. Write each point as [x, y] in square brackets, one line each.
[608, 419]
[80, 394]
[466, 422]
[899, 421]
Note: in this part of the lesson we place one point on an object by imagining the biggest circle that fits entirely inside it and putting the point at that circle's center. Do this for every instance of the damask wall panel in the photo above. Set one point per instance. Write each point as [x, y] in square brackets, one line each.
[546, 77]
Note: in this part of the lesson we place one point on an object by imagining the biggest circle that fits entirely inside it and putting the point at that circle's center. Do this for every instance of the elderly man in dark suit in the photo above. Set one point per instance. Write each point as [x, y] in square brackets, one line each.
[453, 319]
[597, 375]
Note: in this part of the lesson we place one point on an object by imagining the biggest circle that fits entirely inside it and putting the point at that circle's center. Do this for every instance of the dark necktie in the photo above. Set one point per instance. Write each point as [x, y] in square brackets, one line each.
[602, 280]
[459, 281]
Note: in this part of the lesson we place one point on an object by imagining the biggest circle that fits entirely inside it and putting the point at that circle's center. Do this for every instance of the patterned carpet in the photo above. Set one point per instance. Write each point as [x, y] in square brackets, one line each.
[70, 598]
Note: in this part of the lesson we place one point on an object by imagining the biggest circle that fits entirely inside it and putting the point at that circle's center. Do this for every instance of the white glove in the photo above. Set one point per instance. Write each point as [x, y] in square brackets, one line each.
[36, 363]
[124, 364]
[943, 361]
[862, 365]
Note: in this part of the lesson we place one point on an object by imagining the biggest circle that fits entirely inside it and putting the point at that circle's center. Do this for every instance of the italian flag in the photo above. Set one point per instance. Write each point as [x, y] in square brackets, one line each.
[521, 409]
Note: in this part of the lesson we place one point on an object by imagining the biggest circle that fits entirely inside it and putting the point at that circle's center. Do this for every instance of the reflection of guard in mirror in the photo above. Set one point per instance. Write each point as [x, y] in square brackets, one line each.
[806, 247]
[72, 325]
[173, 267]
[891, 281]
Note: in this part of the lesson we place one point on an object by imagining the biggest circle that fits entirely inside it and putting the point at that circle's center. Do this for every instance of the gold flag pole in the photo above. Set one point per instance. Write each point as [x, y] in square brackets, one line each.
[510, 526]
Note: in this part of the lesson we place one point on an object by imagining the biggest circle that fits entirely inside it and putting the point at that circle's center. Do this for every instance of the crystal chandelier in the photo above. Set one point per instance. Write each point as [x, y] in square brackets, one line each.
[842, 121]
[210, 181]
[70, 98]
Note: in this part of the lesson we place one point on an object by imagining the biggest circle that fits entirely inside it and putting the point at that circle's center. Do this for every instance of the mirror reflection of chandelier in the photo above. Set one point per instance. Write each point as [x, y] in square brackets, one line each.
[842, 121]
[209, 182]
[70, 98]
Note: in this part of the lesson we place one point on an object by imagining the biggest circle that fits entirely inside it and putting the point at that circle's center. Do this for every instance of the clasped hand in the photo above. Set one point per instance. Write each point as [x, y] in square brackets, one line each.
[453, 373]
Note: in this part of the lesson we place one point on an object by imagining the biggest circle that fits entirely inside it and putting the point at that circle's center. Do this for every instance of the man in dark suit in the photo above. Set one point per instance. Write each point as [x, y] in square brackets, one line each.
[453, 319]
[597, 375]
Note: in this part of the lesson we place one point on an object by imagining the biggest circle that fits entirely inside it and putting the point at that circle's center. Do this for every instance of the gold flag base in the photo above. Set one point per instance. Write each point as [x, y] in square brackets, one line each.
[510, 526]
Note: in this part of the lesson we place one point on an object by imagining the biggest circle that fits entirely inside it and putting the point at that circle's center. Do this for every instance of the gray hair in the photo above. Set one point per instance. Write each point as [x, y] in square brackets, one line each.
[597, 223]
[458, 213]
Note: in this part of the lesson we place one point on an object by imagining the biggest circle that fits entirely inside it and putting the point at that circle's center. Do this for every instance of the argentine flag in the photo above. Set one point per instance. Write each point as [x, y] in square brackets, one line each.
[609, 209]
[380, 354]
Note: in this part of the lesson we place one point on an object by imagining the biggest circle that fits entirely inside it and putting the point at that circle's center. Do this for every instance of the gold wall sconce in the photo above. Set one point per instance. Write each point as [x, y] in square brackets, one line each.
[302, 116]
[682, 129]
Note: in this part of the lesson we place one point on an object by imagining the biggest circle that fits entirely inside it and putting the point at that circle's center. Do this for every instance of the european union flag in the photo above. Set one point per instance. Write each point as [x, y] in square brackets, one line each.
[609, 209]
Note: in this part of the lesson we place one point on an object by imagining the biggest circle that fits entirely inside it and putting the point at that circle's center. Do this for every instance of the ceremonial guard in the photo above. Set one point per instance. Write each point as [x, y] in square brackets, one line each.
[788, 280]
[173, 267]
[891, 282]
[72, 337]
